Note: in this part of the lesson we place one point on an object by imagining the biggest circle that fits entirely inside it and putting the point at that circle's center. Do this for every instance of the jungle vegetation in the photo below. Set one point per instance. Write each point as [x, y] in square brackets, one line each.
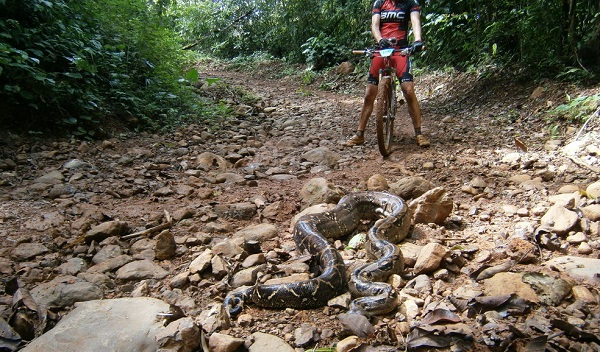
[73, 63]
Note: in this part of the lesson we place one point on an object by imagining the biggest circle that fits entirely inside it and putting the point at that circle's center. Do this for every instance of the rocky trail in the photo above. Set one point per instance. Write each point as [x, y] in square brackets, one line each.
[132, 242]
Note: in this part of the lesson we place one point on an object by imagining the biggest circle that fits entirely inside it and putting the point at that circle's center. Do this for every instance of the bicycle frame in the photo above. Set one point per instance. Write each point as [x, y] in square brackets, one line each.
[386, 101]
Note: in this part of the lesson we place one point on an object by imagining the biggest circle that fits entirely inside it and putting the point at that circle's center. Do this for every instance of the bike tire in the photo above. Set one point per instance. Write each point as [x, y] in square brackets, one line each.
[384, 116]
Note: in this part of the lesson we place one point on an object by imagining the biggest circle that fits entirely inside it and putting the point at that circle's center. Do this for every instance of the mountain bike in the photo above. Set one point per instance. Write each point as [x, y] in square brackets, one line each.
[385, 102]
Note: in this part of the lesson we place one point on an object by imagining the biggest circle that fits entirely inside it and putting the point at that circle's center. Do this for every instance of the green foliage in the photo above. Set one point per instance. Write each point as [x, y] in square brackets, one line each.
[576, 110]
[73, 63]
[544, 36]
[322, 51]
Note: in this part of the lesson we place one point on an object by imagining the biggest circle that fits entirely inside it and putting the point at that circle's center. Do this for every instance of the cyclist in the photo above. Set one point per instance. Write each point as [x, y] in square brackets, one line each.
[390, 19]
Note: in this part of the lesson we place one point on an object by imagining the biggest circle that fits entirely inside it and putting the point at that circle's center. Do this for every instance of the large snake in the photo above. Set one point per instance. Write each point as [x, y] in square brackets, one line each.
[311, 233]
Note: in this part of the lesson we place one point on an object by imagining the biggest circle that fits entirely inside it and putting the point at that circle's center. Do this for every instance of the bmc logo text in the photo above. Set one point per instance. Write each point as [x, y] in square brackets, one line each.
[392, 15]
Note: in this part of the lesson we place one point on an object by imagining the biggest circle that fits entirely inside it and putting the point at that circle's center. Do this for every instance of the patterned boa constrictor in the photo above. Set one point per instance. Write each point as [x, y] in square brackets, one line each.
[311, 233]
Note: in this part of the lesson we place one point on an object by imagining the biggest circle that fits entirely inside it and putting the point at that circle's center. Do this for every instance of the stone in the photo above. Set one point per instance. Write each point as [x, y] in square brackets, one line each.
[259, 232]
[592, 212]
[106, 230]
[434, 206]
[267, 342]
[107, 252]
[322, 156]
[319, 190]
[584, 269]
[348, 344]
[410, 187]
[377, 182]
[65, 290]
[110, 264]
[430, 257]
[181, 335]
[224, 343]
[559, 219]
[123, 324]
[201, 262]
[25, 251]
[593, 190]
[246, 276]
[165, 247]
[345, 68]
[509, 283]
[72, 266]
[141, 269]
[306, 334]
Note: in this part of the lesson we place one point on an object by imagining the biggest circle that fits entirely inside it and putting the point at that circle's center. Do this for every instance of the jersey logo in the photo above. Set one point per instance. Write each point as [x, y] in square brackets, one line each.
[392, 16]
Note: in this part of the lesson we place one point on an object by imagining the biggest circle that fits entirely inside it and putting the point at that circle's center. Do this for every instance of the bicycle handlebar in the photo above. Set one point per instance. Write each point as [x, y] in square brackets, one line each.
[370, 52]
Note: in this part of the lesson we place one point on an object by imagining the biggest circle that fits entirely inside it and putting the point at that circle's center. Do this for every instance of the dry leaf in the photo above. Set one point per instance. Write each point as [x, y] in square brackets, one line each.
[522, 146]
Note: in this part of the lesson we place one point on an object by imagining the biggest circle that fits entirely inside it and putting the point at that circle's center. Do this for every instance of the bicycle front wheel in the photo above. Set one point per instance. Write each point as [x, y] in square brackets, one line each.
[385, 114]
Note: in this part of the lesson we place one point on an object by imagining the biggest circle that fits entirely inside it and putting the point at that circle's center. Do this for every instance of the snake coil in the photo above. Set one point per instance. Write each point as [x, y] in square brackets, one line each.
[311, 234]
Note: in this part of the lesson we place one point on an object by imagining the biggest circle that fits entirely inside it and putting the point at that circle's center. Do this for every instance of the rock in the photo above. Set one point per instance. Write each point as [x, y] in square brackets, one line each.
[65, 290]
[377, 182]
[110, 264]
[181, 335]
[224, 343]
[267, 342]
[52, 178]
[106, 230]
[584, 269]
[432, 207]
[201, 262]
[357, 324]
[559, 219]
[25, 251]
[107, 252]
[582, 293]
[165, 247]
[348, 344]
[72, 266]
[593, 190]
[214, 318]
[124, 324]
[319, 190]
[306, 334]
[260, 232]
[322, 156]
[509, 283]
[341, 301]
[246, 276]
[208, 161]
[141, 269]
[410, 187]
[592, 212]
[430, 257]
[229, 248]
[345, 68]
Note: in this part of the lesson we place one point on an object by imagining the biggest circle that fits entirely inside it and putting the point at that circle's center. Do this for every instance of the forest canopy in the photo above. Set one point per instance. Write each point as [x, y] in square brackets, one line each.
[73, 62]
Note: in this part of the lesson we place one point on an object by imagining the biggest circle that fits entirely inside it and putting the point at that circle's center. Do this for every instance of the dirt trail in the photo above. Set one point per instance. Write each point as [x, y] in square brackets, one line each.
[136, 177]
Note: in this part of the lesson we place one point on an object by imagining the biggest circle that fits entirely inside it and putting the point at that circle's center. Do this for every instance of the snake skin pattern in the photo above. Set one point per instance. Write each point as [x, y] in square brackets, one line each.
[311, 234]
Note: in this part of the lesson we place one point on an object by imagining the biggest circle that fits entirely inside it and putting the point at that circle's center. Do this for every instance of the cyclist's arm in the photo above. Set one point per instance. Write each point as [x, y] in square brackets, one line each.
[415, 20]
[375, 23]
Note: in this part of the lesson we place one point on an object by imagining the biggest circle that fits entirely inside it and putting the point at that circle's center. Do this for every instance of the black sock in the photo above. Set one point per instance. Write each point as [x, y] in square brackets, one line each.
[360, 133]
[418, 131]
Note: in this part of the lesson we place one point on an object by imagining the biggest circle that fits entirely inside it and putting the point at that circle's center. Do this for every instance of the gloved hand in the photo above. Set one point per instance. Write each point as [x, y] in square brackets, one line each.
[417, 46]
[384, 43]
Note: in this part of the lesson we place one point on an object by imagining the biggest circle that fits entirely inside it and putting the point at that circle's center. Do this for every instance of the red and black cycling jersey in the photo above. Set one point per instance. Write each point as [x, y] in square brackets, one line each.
[395, 18]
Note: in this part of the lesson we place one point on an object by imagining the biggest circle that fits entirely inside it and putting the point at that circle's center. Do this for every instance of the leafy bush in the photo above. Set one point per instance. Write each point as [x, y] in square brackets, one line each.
[576, 110]
[72, 63]
[323, 51]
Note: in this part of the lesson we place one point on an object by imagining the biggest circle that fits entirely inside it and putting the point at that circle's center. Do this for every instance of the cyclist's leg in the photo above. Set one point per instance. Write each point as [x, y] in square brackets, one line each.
[368, 101]
[408, 89]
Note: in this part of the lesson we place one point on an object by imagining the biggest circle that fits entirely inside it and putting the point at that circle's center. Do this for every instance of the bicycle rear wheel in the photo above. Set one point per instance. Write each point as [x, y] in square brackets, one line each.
[385, 113]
